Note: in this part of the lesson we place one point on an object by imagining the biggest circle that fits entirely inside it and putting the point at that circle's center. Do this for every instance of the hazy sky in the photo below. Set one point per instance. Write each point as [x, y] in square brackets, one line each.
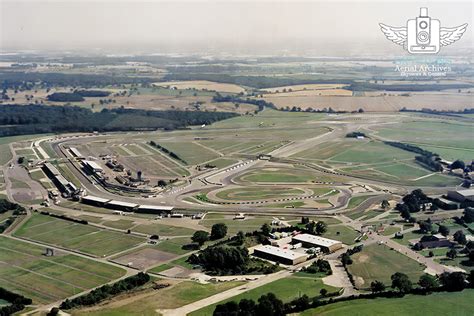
[199, 25]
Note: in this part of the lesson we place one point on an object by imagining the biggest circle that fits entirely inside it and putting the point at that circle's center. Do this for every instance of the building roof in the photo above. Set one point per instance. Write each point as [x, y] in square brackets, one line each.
[95, 199]
[447, 201]
[316, 240]
[156, 207]
[52, 168]
[279, 252]
[62, 180]
[120, 203]
[75, 152]
[465, 193]
[94, 165]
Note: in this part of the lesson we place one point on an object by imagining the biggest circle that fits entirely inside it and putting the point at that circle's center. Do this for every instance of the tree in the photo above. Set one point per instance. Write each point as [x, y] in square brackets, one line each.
[468, 215]
[346, 259]
[471, 256]
[470, 278]
[428, 281]
[229, 308]
[443, 230]
[451, 254]
[270, 305]
[377, 286]
[460, 237]
[434, 207]
[323, 292]
[458, 164]
[266, 229]
[401, 282]
[240, 237]
[161, 183]
[455, 281]
[301, 303]
[385, 204]
[304, 220]
[425, 227]
[218, 231]
[200, 237]
[247, 307]
[320, 228]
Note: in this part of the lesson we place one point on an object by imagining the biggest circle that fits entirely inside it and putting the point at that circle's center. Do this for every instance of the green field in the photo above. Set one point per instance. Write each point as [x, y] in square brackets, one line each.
[258, 193]
[453, 304]
[233, 226]
[190, 152]
[70, 235]
[174, 245]
[357, 200]
[279, 175]
[5, 153]
[172, 297]
[163, 230]
[341, 233]
[378, 262]
[24, 269]
[285, 289]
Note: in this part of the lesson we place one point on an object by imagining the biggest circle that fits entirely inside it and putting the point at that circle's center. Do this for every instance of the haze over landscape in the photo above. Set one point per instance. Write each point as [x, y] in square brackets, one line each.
[238, 27]
[198, 158]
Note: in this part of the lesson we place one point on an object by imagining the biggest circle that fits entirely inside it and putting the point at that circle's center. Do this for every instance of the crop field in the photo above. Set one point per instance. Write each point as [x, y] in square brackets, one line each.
[388, 103]
[202, 85]
[446, 303]
[310, 93]
[378, 262]
[285, 289]
[304, 87]
[84, 238]
[24, 269]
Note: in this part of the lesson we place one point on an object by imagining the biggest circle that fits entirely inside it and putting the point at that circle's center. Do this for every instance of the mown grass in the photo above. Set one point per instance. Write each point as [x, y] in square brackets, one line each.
[447, 303]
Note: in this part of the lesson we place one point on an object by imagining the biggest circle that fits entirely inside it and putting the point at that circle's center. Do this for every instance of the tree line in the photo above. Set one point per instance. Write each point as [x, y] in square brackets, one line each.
[28, 80]
[37, 119]
[426, 157]
[261, 104]
[17, 302]
[106, 291]
[168, 152]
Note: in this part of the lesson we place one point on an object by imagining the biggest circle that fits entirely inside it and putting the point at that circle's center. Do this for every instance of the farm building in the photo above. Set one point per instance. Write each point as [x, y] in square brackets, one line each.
[446, 204]
[435, 241]
[154, 209]
[461, 195]
[119, 205]
[92, 166]
[94, 200]
[312, 241]
[277, 254]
